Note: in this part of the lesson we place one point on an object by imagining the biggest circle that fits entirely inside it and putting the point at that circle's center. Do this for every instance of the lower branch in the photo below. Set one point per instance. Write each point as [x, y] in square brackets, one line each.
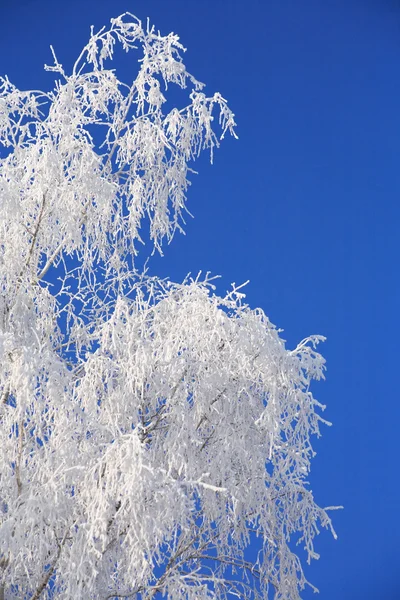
[50, 571]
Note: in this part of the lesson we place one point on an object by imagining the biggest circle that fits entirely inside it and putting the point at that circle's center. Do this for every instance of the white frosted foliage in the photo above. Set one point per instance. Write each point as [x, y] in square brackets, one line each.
[149, 431]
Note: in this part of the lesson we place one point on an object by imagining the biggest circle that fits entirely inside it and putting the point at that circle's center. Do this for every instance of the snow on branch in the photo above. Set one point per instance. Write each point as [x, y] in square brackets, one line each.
[149, 431]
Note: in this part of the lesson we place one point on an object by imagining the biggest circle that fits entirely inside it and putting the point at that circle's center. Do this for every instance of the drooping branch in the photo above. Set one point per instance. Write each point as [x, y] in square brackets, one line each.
[50, 570]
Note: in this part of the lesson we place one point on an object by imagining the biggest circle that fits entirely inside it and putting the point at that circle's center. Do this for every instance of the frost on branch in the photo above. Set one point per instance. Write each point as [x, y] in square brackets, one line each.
[87, 162]
[149, 431]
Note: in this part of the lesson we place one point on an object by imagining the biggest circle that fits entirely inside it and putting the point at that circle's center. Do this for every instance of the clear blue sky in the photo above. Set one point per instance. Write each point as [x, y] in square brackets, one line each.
[305, 205]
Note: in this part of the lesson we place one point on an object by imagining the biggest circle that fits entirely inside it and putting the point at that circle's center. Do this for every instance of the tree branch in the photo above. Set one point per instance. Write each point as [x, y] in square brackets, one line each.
[50, 571]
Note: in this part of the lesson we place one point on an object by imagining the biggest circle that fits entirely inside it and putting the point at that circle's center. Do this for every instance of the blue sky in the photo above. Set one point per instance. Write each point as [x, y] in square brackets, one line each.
[305, 205]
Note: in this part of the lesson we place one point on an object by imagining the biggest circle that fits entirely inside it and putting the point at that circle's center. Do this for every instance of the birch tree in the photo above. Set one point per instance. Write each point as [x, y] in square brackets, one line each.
[151, 433]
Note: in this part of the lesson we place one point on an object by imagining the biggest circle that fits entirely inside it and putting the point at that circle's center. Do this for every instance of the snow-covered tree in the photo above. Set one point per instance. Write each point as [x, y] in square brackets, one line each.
[150, 432]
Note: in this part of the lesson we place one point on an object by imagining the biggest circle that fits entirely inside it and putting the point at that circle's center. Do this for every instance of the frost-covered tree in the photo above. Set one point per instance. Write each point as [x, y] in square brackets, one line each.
[149, 431]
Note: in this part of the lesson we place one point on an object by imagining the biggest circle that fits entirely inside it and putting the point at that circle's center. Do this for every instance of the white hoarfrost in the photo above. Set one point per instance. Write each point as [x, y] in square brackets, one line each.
[151, 434]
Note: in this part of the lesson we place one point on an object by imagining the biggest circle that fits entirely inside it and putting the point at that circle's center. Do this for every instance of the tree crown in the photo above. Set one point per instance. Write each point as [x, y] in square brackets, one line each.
[149, 430]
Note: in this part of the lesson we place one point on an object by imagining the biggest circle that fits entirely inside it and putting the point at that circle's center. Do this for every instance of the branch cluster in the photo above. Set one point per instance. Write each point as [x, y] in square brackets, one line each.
[149, 430]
